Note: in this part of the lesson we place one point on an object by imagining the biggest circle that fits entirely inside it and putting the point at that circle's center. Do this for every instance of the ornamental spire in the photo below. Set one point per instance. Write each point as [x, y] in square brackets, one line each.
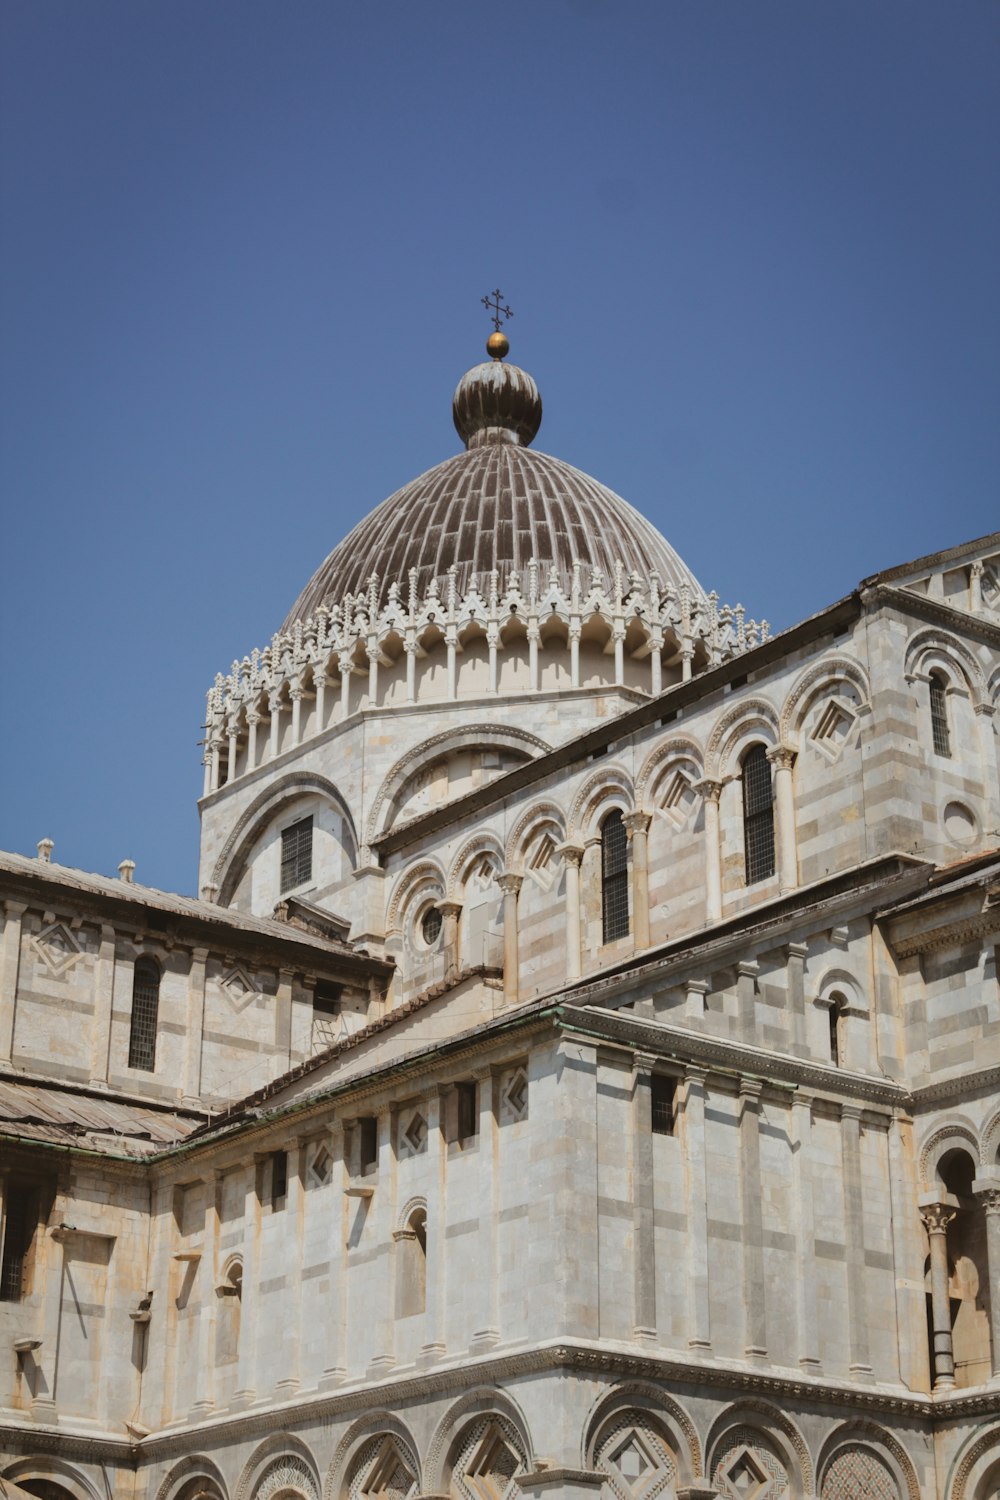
[497, 345]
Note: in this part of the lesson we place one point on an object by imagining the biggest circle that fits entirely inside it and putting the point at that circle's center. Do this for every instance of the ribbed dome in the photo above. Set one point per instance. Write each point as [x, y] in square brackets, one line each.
[496, 506]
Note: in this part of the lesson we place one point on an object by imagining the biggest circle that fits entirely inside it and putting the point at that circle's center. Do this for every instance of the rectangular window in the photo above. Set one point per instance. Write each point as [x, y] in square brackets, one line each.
[19, 1223]
[939, 716]
[758, 815]
[662, 1092]
[367, 1142]
[296, 854]
[279, 1178]
[326, 1016]
[467, 1102]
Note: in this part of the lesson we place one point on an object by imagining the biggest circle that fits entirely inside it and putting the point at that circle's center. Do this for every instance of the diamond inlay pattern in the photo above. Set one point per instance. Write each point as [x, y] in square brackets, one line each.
[857, 1474]
[637, 1461]
[747, 1470]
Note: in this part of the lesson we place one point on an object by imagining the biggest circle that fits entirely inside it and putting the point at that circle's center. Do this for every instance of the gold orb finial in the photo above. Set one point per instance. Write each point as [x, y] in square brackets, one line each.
[497, 345]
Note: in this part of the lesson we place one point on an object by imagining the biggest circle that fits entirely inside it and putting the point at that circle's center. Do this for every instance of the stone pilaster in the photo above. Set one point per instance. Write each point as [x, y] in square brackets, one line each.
[755, 1311]
[854, 1240]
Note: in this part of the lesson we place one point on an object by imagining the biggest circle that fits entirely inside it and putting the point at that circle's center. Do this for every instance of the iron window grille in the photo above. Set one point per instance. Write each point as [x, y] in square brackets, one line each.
[145, 1010]
[296, 854]
[939, 715]
[758, 815]
[662, 1094]
[20, 1218]
[614, 877]
[430, 926]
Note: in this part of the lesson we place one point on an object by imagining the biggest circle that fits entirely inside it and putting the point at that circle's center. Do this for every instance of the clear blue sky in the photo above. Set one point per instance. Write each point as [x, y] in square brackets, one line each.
[752, 251]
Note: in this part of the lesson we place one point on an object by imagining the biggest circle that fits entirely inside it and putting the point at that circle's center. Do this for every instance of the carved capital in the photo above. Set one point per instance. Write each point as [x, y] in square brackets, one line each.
[572, 854]
[782, 757]
[637, 822]
[937, 1216]
[449, 908]
[711, 791]
[510, 884]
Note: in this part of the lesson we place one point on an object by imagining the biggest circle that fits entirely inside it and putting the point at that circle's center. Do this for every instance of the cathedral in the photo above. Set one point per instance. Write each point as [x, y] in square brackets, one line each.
[578, 1074]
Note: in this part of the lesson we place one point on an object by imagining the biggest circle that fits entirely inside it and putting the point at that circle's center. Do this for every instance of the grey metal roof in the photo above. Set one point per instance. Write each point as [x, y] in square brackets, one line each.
[495, 506]
[142, 896]
[61, 1116]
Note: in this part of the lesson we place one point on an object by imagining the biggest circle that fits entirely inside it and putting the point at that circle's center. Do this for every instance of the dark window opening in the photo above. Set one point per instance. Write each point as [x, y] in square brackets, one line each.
[662, 1095]
[837, 1021]
[939, 714]
[145, 1010]
[367, 1142]
[467, 1122]
[279, 1178]
[430, 926]
[758, 815]
[296, 854]
[19, 1223]
[326, 999]
[614, 877]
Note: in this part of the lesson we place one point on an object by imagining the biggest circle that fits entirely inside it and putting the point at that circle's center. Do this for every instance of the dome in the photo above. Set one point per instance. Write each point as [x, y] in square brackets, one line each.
[499, 505]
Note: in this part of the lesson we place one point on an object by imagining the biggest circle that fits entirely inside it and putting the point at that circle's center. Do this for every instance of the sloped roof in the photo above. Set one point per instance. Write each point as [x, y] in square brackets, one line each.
[59, 1115]
[65, 878]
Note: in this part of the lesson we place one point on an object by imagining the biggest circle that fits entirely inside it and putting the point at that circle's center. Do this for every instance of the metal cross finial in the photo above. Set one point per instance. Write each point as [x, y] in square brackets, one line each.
[493, 306]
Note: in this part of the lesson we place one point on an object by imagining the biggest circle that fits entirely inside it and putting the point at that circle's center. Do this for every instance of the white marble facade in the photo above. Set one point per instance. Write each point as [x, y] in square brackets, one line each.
[522, 1108]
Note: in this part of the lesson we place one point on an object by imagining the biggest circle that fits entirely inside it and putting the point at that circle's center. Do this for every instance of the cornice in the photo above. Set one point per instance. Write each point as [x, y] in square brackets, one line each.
[738, 1058]
[964, 1085]
[614, 1361]
[926, 607]
[669, 705]
[949, 934]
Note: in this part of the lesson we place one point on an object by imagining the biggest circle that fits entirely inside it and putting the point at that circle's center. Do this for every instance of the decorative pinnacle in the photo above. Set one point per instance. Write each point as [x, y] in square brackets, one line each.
[493, 302]
[497, 345]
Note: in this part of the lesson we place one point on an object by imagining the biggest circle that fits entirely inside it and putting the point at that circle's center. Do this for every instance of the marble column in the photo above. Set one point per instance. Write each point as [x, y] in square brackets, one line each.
[511, 886]
[253, 719]
[937, 1212]
[711, 791]
[755, 1311]
[986, 1188]
[782, 759]
[195, 1025]
[805, 1222]
[296, 694]
[637, 829]
[319, 683]
[643, 1233]
[450, 911]
[488, 1208]
[274, 741]
[572, 856]
[854, 1240]
[692, 1121]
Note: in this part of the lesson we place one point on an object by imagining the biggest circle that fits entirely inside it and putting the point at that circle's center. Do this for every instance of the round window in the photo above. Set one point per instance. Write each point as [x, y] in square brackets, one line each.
[430, 926]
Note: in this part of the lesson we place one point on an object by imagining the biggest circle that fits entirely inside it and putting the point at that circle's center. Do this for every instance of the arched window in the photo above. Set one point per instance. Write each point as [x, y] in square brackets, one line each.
[227, 1325]
[758, 815]
[145, 1008]
[838, 1021]
[939, 713]
[411, 1265]
[614, 877]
